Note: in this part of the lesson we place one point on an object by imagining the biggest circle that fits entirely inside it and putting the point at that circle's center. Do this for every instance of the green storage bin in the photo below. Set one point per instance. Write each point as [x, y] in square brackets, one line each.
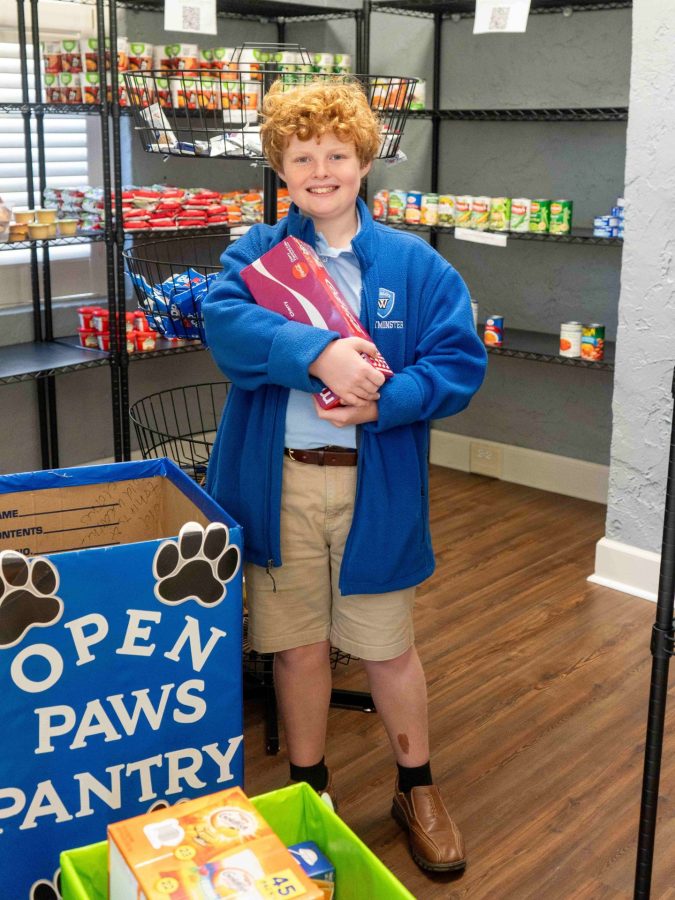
[296, 814]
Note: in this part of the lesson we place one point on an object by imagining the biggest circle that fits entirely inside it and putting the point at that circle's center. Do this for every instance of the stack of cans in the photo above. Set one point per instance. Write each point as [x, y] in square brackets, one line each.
[610, 226]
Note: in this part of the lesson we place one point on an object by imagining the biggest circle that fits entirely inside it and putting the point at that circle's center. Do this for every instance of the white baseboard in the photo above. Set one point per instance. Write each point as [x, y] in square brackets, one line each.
[626, 568]
[532, 468]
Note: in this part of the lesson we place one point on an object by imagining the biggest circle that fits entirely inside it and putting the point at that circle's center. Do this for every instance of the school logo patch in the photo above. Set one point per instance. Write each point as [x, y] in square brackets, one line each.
[385, 303]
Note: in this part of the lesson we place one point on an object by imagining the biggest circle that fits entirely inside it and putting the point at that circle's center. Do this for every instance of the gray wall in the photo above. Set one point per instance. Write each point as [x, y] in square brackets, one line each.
[581, 60]
[642, 400]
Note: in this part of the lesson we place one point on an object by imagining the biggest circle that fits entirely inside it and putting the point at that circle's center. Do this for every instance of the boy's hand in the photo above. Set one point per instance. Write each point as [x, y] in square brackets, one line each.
[342, 368]
[348, 415]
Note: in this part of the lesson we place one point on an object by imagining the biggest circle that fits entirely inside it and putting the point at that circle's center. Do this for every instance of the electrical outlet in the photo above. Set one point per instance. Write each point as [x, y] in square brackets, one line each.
[485, 459]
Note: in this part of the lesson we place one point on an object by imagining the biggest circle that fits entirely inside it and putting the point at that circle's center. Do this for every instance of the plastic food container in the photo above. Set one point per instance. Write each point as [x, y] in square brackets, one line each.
[45, 216]
[88, 338]
[38, 232]
[103, 340]
[146, 340]
[18, 232]
[23, 216]
[85, 314]
[67, 227]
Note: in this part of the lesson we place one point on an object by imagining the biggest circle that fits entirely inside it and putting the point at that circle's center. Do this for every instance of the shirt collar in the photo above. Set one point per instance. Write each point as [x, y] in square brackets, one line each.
[324, 249]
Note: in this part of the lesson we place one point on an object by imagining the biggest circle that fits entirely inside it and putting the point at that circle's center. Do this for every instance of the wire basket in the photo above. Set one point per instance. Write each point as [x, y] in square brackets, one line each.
[171, 278]
[180, 423]
[217, 112]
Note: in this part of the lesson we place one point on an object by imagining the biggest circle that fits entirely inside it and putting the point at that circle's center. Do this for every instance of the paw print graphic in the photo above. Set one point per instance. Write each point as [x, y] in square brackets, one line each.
[27, 595]
[197, 566]
[47, 890]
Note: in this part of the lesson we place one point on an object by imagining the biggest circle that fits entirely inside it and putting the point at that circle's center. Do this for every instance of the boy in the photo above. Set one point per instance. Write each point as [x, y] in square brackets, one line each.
[334, 502]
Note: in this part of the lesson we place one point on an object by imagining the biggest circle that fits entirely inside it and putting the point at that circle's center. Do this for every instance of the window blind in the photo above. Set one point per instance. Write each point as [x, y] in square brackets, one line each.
[65, 152]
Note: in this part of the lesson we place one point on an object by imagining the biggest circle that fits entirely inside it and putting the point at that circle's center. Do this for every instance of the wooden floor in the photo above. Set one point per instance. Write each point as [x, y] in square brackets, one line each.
[538, 686]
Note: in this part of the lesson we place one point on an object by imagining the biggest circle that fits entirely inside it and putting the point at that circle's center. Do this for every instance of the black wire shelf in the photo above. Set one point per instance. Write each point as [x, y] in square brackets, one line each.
[466, 8]
[578, 236]
[94, 237]
[255, 10]
[576, 114]
[27, 362]
[569, 114]
[64, 109]
[163, 347]
[538, 346]
[203, 230]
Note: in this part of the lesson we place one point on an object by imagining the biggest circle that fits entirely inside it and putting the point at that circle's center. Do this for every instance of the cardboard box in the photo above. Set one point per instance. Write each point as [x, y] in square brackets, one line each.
[296, 814]
[120, 654]
[218, 845]
[291, 280]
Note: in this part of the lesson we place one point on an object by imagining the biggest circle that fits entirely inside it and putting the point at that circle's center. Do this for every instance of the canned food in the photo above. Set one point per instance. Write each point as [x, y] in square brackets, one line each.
[480, 213]
[419, 95]
[540, 216]
[413, 208]
[493, 335]
[463, 211]
[561, 217]
[380, 205]
[521, 208]
[429, 212]
[593, 341]
[446, 210]
[396, 207]
[500, 213]
[570, 339]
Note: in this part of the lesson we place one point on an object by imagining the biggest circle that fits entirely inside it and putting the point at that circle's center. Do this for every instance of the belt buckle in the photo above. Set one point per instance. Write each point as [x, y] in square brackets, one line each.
[290, 454]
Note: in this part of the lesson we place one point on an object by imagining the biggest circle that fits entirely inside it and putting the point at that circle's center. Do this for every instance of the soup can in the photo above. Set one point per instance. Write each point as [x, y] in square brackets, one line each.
[493, 335]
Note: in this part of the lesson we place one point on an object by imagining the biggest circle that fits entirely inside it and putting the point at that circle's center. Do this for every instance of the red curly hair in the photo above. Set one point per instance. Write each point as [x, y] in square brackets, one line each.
[313, 109]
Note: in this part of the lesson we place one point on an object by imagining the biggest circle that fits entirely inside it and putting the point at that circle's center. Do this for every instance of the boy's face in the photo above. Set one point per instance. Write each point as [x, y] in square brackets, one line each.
[323, 177]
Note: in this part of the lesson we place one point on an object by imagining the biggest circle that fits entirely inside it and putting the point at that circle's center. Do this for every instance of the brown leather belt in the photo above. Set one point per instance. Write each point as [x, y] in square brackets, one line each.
[324, 456]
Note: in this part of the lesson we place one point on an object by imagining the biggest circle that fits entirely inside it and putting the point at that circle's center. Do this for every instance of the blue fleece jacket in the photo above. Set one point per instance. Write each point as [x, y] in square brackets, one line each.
[416, 308]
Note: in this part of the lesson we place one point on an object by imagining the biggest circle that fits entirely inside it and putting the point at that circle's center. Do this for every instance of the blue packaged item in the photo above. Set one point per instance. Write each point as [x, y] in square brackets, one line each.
[315, 864]
[175, 284]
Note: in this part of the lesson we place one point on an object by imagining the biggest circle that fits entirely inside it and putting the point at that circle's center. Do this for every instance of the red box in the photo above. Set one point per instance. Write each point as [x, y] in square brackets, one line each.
[291, 279]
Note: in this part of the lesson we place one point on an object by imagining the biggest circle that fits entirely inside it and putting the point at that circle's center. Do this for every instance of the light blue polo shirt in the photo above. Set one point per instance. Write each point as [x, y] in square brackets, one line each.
[304, 429]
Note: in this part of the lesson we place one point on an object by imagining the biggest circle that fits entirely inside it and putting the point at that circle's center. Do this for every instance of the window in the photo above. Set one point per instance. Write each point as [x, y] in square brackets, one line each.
[67, 146]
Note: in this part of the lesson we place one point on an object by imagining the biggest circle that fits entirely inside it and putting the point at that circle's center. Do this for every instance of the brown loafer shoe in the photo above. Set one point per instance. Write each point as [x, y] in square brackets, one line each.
[327, 795]
[436, 843]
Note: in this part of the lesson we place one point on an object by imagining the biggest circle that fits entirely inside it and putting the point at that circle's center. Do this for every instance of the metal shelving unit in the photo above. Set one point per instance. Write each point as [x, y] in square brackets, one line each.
[521, 344]
[47, 357]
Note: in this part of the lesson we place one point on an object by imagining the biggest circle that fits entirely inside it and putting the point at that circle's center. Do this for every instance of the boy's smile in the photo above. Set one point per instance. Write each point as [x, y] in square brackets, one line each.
[323, 176]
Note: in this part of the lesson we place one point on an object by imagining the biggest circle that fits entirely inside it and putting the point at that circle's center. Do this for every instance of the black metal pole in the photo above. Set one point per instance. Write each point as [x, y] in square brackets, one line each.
[123, 356]
[40, 387]
[49, 383]
[436, 116]
[108, 227]
[662, 650]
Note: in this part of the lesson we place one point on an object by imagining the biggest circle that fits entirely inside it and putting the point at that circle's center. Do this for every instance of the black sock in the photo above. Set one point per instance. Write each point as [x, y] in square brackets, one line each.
[413, 776]
[316, 776]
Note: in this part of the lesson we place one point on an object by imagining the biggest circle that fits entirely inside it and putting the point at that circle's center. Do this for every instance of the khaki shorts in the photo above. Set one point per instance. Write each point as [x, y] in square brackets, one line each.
[317, 503]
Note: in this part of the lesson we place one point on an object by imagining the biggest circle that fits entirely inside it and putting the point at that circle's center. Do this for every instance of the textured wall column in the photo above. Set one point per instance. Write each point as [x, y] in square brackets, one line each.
[642, 404]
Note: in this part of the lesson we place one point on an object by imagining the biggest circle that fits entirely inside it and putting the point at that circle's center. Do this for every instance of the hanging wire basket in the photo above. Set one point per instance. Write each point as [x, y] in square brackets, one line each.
[180, 423]
[216, 112]
[171, 278]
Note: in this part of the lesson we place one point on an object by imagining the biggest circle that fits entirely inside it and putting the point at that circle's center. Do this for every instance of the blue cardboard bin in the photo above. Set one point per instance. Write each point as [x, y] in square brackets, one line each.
[120, 656]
